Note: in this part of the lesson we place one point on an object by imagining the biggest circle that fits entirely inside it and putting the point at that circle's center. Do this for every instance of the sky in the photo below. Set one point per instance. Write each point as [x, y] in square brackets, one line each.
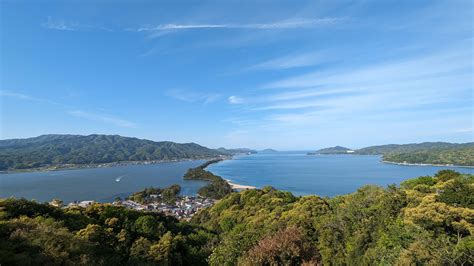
[288, 75]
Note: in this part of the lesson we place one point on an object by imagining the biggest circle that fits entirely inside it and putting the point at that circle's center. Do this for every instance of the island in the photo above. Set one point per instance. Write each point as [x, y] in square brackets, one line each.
[268, 151]
[332, 150]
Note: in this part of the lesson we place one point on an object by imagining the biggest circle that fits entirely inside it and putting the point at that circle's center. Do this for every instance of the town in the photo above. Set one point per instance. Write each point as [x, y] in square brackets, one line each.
[183, 208]
[167, 201]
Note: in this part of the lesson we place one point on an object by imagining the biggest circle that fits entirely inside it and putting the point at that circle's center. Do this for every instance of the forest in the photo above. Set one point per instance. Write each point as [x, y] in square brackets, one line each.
[216, 189]
[168, 195]
[427, 220]
[461, 157]
[61, 150]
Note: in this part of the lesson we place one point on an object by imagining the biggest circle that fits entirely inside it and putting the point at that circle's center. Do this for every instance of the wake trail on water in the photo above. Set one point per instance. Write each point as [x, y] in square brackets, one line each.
[118, 178]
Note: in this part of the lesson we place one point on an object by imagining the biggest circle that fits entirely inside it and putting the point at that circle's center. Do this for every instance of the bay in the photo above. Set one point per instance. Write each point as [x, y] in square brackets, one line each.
[323, 175]
[301, 174]
[99, 184]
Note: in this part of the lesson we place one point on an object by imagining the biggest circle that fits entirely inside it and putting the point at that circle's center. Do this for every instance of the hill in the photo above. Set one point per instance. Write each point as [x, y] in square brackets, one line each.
[332, 150]
[60, 150]
[425, 221]
[382, 149]
[442, 153]
[268, 151]
[450, 156]
[236, 151]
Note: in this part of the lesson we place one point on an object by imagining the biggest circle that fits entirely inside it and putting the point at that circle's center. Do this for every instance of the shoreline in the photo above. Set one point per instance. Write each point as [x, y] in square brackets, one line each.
[428, 164]
[233, 185]
[99, 165]
[238, 186]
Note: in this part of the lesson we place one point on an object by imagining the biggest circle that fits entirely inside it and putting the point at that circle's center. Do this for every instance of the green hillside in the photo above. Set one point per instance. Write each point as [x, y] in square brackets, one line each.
[460, 156]
[442, 153]
[382, 149]
[54, 150]
[332, 150]
[426, 221]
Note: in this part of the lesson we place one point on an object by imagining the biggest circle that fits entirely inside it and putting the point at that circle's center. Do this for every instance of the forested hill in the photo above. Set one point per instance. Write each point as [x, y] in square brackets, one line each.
[54, 150]
[443, 153]
[332, 150]
[425, 153]
[382, 149]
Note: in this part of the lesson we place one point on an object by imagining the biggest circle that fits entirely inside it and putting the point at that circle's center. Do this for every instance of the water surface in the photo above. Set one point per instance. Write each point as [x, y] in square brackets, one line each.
[324, 175]
[99, 184]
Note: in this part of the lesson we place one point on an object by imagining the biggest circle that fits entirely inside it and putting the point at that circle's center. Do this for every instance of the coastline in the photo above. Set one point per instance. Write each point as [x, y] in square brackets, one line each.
[233, 185]
[238, 186]
[428, 164]
[99, 165]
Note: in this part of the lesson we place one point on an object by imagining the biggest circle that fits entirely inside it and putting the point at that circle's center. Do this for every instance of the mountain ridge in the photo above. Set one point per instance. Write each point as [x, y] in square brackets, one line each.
[58, 149]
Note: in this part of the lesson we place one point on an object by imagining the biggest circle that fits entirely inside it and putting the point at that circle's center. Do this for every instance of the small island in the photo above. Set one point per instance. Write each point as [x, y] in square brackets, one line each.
[332, 150]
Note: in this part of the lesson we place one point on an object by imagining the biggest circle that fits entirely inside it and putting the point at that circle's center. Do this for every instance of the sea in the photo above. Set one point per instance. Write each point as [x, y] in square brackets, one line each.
[301, 174]
[323, 175]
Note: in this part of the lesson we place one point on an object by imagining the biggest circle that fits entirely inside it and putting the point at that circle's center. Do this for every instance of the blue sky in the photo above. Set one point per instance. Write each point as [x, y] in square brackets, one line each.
[258, 74]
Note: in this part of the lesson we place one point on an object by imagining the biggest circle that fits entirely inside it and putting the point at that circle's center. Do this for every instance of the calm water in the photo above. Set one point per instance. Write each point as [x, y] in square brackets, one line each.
[324, 175]
[100, 184]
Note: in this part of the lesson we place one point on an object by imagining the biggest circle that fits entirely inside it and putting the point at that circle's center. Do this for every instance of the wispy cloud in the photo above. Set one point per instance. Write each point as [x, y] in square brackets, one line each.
[191, 96]
[64, 25]
[77, 113]
[27, 97]
[59, 24]
[103, 118]
[291, 61]
[398, 90]
[283, 24]
[235, 99]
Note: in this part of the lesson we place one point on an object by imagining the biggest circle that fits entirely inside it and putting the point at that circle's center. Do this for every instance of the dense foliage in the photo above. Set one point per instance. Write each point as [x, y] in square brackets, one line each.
[464, 156]
[422, 153]
[168, 195]
[426, 221]
[57, 150]
[407, 148]
[216, 189]
[102, 234]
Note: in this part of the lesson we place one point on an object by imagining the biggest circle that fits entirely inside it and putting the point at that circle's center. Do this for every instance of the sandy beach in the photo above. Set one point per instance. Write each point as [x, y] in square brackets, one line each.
[239, 187]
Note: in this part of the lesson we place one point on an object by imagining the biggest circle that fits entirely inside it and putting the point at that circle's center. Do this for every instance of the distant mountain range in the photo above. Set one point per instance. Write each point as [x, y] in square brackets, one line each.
[54, 150]
[443, 153]
[268, 151]
[236, 151]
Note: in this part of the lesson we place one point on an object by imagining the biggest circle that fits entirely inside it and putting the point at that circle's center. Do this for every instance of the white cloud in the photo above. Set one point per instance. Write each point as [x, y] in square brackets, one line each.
[235, 99]
[63, 25]
[59, 24]
[26, 97]
[284, 24]
[103, 118]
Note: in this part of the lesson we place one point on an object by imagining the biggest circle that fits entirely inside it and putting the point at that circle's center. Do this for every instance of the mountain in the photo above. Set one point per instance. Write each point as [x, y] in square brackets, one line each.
[57, 150]
[268, 151]
[382, 149]
[332, 150]
[448, 156]
[443, 153]
[236, 151]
